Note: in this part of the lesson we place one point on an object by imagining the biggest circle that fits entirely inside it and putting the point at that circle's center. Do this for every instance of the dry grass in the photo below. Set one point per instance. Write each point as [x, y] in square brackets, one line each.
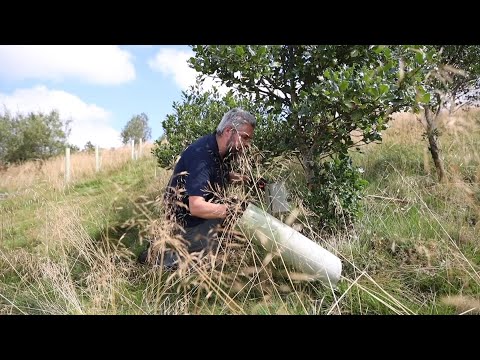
[65, 269]
[404, 129]
[464, 304]
[242, 277]
[82, 164]
[459, 141]
[401, 259]
[70, 273]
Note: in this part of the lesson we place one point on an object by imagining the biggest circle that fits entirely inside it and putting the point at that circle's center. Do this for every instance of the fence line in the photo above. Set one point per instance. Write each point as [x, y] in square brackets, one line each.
[54, 170]
[135, 155]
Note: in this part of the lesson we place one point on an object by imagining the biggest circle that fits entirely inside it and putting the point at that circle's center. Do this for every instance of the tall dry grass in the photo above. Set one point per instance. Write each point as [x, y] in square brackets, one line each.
[69, 273]
[69, 263]
[73, 273]
[52, 172]
[459, 140]
[241, 277]
[423, 232]
[404, 257]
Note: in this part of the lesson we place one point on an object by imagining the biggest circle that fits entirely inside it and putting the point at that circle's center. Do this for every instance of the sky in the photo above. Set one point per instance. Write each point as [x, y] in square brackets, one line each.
[99, 87]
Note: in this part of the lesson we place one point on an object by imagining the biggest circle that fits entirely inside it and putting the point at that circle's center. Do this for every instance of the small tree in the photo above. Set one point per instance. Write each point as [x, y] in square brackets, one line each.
[137, 128]
[34, 136]
[73, 148]
[199, 113]
[320, 94]
[450, 72]
[89, 147]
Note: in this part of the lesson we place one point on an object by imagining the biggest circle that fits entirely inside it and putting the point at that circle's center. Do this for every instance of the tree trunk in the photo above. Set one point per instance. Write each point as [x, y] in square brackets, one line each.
[433, 143]
[309, 173]
[453, 106]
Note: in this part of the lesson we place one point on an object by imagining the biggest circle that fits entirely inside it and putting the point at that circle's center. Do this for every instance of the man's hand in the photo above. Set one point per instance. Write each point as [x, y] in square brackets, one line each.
[235, 208]
[260, 183]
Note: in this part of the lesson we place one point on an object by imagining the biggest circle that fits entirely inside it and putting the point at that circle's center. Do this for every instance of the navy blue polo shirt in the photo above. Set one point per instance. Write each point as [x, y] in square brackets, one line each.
[199, 172]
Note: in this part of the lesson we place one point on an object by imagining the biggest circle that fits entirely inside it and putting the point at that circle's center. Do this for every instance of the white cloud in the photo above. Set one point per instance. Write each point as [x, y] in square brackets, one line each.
[97, 64]
[173, 63]
[89, 121]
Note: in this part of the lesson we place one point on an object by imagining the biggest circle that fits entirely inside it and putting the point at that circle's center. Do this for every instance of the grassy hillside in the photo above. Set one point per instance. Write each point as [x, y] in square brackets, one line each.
[415, 249]
[53, 235]
[418, 237]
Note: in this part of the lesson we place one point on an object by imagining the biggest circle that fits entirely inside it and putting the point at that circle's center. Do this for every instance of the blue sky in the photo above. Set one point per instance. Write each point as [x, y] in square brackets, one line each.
[99, 87]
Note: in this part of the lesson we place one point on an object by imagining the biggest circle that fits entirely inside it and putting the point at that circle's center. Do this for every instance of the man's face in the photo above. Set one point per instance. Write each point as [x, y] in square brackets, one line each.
[239, 138]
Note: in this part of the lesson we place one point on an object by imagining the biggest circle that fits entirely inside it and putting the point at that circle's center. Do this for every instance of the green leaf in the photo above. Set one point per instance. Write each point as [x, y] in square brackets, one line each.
[357, 115]
[239, 50]
[383, 88]
[422, 96]
[343, 85]
[419, 57]
[425, 98]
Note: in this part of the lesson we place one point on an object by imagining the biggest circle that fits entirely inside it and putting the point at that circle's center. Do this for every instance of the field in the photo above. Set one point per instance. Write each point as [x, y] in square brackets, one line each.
[71, 248]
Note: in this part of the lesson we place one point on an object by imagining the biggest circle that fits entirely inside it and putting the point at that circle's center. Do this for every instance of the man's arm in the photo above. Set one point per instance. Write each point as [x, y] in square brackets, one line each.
[261, 183]
[206, 210]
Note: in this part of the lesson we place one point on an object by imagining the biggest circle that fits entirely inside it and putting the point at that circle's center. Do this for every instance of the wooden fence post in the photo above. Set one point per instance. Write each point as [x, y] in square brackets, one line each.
[67, 164]
[97, 159]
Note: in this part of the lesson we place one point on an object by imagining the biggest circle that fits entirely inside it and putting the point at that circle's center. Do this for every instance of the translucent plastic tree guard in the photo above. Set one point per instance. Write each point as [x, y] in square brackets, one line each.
[298, 251]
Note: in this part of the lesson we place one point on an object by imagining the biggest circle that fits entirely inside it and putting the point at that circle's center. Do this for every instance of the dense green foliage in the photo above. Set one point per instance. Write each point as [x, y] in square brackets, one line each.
[32, 136]
[308, 99]
[199, 114]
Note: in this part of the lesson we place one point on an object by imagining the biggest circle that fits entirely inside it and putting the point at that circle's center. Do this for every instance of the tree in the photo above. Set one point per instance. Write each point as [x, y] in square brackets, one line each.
[457, 73]
[198, 114]
[6, 135]
[34, 136]
[450, 73]
[320, 94]
[137, 128]
[89, 147]
[73, 148]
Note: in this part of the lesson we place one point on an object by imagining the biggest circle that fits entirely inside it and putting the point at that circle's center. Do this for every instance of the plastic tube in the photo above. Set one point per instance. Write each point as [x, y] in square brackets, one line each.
[297, 250]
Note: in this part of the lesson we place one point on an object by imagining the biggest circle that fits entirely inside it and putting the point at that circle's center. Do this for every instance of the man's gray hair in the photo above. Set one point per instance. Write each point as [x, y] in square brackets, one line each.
[236, 117]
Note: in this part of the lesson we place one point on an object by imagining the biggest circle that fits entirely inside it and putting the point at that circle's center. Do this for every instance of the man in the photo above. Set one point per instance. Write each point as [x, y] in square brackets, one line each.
[200, 175]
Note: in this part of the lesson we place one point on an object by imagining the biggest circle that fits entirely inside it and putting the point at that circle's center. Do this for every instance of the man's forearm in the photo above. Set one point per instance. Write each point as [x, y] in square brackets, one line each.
[206, 210]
